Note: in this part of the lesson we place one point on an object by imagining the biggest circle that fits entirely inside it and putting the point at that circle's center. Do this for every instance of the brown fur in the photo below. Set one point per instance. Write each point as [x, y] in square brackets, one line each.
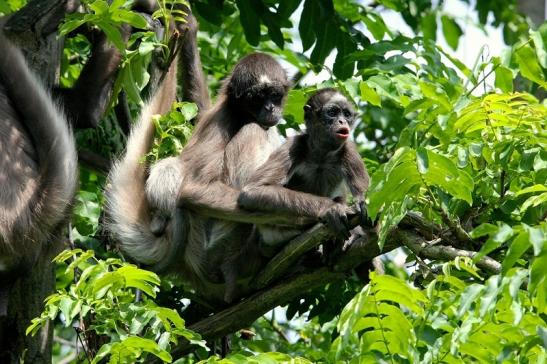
[38, 166]
[207, 218]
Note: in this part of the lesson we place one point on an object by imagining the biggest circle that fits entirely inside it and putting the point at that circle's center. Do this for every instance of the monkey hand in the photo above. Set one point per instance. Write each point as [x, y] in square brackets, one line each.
[336, 219]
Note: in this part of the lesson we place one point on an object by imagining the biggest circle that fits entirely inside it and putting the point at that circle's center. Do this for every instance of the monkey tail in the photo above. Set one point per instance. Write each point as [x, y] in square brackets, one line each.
[128, 210]
[46, 200]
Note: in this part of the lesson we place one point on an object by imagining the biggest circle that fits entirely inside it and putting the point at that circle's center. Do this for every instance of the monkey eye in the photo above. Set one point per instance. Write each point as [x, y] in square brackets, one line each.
[347, 113]
[276, 97]
[332, 112]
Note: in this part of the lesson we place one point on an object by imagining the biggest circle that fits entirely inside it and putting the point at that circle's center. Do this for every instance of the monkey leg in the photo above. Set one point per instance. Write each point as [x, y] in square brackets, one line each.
[162, 187]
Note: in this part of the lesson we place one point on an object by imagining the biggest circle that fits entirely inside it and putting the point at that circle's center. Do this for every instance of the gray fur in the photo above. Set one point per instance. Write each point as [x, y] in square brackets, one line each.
[206, 229]
[311, 174]
[128, 210]
[38, 163]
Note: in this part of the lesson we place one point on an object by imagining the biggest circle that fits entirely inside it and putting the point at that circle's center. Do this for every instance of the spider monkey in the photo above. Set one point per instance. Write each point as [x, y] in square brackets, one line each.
[38, 167]
[309, 175]
[198, 190]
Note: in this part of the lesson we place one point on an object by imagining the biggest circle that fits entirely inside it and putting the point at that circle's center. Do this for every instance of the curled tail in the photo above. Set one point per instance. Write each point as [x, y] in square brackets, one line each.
[40, 160]
[128, 210]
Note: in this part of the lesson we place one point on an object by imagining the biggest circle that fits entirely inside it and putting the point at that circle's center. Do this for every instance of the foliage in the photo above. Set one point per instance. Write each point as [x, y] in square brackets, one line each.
[172, 130]
[104, 294]
[464, 147]
[450, 321]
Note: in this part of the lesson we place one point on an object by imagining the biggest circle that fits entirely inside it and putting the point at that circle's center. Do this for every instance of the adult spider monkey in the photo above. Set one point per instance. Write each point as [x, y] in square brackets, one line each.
[193, 240]
[38, 168]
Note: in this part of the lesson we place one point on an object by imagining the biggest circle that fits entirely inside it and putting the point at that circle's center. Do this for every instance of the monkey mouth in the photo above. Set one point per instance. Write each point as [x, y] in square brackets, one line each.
[342, 133]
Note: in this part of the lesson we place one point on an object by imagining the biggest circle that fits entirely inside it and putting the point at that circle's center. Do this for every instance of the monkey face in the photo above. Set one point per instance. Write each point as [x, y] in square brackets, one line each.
[257, 88]
[337, 117]
[331, 119]
[265, 103]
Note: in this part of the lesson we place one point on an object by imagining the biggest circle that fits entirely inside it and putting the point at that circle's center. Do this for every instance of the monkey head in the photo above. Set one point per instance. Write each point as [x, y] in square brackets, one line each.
[257, 87]
[329, 117]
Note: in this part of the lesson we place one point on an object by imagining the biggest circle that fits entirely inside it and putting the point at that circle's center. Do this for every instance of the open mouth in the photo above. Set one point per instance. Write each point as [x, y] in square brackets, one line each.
[342, 133]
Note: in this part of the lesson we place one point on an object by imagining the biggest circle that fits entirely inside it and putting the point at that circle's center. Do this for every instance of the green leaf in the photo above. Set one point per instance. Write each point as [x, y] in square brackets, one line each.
[100, 7]
[533, 202]
[310, 13]
[294, 105]
[503, 234]
[139, 278]
[189, 110]
[113, 34]
[444, 173]
[529, 66]
[469, 297]
[540, 43]
[129, 17]
[517, 248]
[429, 26]
[534, 188]
[250, 21]
[504, 79]
[451, 31]
[369, 95]
[375, 25]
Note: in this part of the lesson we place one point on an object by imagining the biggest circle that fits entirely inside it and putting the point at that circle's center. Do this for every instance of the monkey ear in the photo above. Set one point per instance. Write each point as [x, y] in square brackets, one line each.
[307, 108]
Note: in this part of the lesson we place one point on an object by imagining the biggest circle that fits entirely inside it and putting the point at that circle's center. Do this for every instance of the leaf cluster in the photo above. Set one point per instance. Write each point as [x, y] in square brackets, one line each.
[104, 295]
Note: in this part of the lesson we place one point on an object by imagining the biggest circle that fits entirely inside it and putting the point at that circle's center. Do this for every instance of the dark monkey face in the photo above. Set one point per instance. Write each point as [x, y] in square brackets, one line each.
[329, 117]
[257, 87]
[264, 102]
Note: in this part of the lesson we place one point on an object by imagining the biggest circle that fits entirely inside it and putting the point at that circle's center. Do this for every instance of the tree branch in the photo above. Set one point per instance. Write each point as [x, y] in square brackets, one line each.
[423, 249]
[363, 249]
[94, 161]
[290, 253]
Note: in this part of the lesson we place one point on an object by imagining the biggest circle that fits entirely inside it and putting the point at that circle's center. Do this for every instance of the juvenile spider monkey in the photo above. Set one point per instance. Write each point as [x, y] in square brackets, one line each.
[310, 174]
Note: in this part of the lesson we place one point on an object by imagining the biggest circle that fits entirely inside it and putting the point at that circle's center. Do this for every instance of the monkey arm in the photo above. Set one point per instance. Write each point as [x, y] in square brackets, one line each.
[86, 102]
[191, 71]
[272, 198]
[265, 191]
[220, 201]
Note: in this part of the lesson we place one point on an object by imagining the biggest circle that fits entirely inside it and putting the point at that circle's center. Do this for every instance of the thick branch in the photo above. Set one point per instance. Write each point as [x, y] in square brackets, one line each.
[363, 249]
[242, 314]
[281, 262]
[94, 161]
